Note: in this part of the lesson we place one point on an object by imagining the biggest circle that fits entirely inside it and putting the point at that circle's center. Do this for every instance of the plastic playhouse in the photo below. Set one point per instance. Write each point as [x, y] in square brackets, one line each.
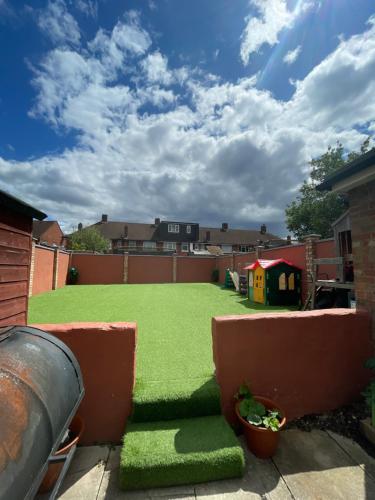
[274, 282]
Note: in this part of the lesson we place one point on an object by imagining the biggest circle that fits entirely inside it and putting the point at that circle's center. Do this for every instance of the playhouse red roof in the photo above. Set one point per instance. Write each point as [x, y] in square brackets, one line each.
[265, 264]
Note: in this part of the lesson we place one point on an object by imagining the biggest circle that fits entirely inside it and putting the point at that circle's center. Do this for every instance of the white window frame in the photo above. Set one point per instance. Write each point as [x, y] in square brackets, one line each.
[132, 244]
[149, 245]
[225, 248]
[169, 246]
[173, 228]
[188, 229]
[245, 248]
[184, 247]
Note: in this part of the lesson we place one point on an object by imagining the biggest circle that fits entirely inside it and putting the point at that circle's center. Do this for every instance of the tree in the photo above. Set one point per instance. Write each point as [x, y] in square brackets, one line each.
[314, 211]
[89, 239]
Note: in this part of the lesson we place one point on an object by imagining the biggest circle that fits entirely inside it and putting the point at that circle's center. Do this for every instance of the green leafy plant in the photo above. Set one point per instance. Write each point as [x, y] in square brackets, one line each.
[255, 412]
[369, 392]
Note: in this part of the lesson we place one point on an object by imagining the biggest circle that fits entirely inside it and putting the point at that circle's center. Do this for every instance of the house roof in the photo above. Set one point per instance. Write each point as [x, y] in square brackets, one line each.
[136, 231]
[9, 201]
[235, 236]
[353, 168]
[40, 227]
[266, 264]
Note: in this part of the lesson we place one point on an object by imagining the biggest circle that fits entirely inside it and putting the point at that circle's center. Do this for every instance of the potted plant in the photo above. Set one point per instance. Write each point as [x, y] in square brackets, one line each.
[72, 437]
[368, 425]
[261, 421]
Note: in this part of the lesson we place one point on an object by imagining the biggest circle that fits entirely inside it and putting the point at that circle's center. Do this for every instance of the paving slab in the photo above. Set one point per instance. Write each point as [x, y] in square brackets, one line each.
[314, 466]
[85, 474]
[356, 452]
[260, 481]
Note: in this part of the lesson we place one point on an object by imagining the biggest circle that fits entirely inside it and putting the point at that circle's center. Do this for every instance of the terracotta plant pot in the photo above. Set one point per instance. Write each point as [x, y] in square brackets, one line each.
[77, 426]
[260, 441]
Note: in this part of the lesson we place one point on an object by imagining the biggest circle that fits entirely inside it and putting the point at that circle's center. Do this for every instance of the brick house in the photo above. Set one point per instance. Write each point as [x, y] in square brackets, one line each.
[357, 181]
[49, 232]
[180, 237]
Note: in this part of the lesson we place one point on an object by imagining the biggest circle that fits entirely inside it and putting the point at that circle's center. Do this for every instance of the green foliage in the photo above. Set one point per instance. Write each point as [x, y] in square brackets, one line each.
[314, 211]
[255, 412]
[369, 392]
[89, 239]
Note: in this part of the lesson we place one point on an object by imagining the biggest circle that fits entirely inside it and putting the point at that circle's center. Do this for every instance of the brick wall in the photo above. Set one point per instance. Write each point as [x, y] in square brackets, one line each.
[362, 214]
[48, 269]
[53, 235]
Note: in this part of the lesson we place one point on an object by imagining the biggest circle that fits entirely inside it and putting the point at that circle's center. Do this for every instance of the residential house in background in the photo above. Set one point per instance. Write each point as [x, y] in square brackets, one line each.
[181, 237]
[48, 232]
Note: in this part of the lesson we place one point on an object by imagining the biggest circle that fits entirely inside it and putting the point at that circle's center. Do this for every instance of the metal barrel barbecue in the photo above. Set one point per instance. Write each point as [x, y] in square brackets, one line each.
[41, 388]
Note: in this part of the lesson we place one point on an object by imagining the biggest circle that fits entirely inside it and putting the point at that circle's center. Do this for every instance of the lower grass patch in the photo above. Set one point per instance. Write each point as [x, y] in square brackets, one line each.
[177, 452]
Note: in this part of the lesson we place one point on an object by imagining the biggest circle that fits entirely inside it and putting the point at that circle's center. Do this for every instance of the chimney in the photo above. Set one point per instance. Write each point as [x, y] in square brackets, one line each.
[263, 229]
[288, 240]
[157, 221]
[224, 226]
[104, 218]
[208, 235]
[80, 226]
[125, 231]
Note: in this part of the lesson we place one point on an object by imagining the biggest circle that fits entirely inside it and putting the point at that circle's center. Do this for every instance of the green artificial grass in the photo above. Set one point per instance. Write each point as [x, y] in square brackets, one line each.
[177, 452]
[174, 367]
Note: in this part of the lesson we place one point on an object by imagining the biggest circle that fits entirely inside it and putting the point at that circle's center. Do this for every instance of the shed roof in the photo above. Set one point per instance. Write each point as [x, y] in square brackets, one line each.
[266, 264]
[9, 201]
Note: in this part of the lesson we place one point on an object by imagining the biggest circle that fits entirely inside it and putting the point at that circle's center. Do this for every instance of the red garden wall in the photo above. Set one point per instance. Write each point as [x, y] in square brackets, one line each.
[43, 270]
[308, 362]
[195, 269]
[63, 266]
[150, 269]
[98, 269]
[223, 263]
[324, 249]
[106, 355]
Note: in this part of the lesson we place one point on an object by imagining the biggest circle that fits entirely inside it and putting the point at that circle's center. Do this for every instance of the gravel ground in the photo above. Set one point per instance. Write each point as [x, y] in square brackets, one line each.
[344, 421]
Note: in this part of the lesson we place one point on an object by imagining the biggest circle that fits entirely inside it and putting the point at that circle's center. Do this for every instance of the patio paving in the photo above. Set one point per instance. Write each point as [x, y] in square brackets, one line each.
[308, 465]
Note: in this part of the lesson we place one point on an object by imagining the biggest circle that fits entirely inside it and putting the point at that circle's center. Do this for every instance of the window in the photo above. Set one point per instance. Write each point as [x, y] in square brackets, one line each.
[245, 248]
[226, 248]
[149, 245]
[282, 282]
[132, 244]
[188, 229]
[119, 243]
[169, 245]
[173, 228]
[291, 281]
[184, 247]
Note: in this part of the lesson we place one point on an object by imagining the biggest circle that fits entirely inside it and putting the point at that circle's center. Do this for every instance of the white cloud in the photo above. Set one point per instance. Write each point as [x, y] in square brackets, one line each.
[274, 16]
[58, 24]
[212, 151]
[292, 56]
[88, 7]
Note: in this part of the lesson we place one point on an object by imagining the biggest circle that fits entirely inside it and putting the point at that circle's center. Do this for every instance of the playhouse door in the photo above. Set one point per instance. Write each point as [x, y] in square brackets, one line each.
[259, 286]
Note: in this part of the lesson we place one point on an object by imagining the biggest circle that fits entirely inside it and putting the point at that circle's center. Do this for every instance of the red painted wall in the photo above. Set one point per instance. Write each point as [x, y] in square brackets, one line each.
[106, 355]
[63, 266]
[243, 260]
[43, 270]
[308, 362]
[195, 269]
[98, 269]
[150, 269]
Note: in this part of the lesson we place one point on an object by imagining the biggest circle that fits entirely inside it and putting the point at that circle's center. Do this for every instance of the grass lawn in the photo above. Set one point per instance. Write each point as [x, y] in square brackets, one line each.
[174, 321]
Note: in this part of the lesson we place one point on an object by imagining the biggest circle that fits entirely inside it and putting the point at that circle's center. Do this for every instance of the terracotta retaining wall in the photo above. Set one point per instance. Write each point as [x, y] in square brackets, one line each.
[43, 270]
[308, 362]
[63, 267]
[150, 269]
[106, 355]
[195, 269]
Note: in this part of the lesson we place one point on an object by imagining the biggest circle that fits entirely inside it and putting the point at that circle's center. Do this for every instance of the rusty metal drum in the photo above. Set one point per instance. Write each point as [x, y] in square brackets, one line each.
[41, 388]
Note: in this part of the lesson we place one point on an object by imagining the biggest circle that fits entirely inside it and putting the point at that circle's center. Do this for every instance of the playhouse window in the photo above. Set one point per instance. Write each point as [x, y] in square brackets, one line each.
[251, 279]
[282, 282]
[291, 281]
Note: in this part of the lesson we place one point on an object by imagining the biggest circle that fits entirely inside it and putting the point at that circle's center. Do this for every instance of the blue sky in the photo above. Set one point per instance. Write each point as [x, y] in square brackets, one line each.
[205, 110]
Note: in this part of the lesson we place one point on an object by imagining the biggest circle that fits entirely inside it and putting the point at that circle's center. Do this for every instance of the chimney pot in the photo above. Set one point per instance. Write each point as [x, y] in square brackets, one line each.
[224, 226]
[104, 218]
[125, 231]
[80, 226]
[157, 221]
[208, 235]
[263, 229]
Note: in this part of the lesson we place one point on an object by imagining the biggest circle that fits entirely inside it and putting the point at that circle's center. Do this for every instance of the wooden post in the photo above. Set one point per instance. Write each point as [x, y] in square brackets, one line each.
[174, 268]
[310, 254]
[55, 277]
[32, 265]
